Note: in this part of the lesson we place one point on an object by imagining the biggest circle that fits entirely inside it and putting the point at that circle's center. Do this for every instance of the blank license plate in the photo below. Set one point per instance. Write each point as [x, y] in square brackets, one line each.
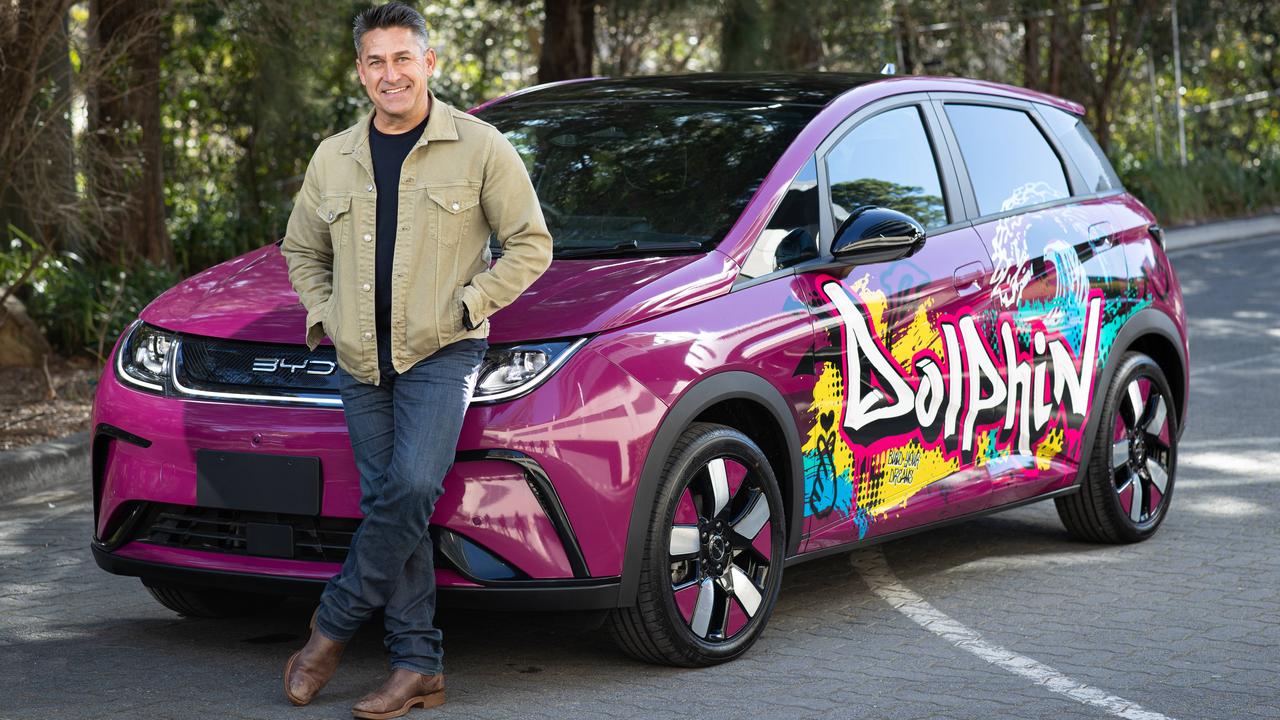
[258, 482]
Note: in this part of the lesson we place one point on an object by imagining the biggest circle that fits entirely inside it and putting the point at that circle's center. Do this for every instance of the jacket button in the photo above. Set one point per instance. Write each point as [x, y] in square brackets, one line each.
[331, 216]
[455, 206]
[367, 335]
[369, 188]
[366, 287]
[367, 237]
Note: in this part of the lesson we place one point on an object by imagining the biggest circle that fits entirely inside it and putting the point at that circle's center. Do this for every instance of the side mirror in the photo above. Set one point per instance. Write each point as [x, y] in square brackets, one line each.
[873, 234]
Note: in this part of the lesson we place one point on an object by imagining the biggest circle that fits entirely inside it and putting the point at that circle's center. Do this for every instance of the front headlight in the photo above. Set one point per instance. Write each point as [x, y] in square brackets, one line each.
[513, 370]
[144, 357]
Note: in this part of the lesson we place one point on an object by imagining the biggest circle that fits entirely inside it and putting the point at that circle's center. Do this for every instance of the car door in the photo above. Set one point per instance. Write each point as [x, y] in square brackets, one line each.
[1050, 241]
[888, 448]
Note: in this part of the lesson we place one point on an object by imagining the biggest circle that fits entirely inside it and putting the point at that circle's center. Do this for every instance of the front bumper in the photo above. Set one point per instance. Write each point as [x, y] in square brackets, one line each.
[452, 591]
[554, 511]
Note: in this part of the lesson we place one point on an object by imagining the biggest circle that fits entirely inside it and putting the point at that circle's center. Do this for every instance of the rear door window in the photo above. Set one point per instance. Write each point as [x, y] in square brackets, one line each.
[1010, 163]
[887, 161]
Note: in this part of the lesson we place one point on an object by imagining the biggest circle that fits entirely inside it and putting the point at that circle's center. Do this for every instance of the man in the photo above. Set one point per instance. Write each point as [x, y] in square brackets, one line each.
[387, 248]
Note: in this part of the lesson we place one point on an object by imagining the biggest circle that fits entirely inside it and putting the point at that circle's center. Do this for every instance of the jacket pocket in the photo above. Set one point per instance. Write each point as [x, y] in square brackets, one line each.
[336, 211]
[452, 206]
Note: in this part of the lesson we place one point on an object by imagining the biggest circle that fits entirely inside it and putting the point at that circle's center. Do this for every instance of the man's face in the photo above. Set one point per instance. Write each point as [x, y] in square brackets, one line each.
[394, 71]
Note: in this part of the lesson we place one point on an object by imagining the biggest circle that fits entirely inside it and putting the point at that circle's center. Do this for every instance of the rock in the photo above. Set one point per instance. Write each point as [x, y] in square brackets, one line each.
[21, 342]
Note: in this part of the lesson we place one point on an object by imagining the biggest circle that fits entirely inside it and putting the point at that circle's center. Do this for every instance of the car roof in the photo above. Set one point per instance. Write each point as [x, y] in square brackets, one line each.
[796, 88]
[814, 89]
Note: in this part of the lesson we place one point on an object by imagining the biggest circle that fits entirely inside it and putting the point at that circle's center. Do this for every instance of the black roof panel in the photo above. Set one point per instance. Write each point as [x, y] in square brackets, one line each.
[761, 87]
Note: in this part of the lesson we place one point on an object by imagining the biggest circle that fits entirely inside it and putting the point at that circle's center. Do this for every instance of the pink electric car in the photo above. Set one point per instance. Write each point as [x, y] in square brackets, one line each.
[788, 315]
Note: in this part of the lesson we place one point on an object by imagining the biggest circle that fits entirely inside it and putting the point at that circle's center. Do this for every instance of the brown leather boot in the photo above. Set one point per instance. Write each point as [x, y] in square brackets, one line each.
[404, 690]
[311, 667]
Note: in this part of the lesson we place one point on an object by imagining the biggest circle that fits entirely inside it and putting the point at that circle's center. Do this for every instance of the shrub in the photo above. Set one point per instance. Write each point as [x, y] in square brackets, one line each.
[1206, 189]
[81, 308]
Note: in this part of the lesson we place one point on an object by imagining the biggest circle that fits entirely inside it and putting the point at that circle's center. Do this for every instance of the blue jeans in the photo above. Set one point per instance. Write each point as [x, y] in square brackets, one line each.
[404, 433]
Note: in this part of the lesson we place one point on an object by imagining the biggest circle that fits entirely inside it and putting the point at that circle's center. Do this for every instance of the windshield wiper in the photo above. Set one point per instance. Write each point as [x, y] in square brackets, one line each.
[631, 247]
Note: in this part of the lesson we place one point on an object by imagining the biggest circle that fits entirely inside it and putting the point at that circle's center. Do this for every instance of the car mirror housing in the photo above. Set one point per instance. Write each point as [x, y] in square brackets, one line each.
[873, 234]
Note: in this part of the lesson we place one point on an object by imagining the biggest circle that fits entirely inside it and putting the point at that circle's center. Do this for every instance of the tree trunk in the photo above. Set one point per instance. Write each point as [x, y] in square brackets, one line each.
[741, 35]
[568, 40]
[906, 29]
[1031, 50]
[1057, 31]
[125, 118]
[796, 40]
[27, 30]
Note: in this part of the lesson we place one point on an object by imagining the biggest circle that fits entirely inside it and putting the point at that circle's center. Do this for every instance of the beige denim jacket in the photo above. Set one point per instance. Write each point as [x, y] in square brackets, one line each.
[460, 181]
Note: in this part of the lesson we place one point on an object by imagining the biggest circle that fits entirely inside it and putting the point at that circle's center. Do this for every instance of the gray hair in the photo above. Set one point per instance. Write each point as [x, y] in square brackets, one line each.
[393, 14]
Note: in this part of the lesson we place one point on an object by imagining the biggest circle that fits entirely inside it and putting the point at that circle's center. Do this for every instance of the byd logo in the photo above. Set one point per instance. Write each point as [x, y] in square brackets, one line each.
[310, 367]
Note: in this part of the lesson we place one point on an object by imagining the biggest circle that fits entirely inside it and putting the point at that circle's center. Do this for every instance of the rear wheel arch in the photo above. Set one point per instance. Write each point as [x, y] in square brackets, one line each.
[1154, 334]
[1165, 352]
[744, 401]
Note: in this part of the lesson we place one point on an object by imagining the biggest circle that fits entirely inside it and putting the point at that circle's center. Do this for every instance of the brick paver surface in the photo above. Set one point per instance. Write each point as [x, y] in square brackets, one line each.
[1186, 625]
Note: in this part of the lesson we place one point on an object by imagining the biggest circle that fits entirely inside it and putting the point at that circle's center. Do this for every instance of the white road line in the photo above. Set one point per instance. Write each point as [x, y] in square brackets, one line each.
[873, 568]
[1205, 369]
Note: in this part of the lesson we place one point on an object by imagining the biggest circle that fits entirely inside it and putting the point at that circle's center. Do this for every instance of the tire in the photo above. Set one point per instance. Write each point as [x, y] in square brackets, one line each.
[1128, 484]
[211, 602]
[713, 554]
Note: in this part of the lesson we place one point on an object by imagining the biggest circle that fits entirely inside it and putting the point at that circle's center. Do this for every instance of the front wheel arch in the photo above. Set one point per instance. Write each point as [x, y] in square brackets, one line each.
[712, 390]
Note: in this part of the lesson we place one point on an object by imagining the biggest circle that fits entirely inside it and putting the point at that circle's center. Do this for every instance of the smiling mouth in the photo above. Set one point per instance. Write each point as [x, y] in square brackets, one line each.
[395, 91]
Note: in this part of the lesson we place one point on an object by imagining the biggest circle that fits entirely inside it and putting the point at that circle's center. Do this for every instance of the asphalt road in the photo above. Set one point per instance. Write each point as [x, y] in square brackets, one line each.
[1004, 616]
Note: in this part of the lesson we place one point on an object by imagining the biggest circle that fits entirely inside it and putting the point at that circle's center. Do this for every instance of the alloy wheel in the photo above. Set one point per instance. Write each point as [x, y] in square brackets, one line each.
[720, 549]
[1140, 450]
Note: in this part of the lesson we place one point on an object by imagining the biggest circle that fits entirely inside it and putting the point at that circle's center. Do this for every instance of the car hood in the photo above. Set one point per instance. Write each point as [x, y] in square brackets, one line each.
[250, 298]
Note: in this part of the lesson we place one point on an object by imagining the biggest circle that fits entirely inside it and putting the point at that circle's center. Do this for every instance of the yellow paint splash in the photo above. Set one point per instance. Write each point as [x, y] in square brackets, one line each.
[903, 472]
[1048, 449]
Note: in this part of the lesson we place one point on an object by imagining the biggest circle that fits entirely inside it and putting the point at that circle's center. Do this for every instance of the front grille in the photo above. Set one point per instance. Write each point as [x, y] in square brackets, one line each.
[324, 539]
[214, 364]
[215, 530]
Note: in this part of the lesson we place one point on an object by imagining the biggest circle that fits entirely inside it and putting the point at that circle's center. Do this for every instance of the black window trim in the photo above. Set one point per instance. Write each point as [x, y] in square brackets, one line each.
[1075, 182]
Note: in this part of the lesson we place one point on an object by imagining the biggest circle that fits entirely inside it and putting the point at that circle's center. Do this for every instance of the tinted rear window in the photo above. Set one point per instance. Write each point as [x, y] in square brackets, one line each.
[1011, 164]
[1083, 149]
[643, 172]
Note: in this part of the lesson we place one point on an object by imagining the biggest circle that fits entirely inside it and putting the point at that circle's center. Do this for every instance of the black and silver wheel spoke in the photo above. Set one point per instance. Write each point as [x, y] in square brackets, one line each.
[1154, 422]
[1134, 485]
[740, 586]
[701, 621]
[1120, 454]
[685, 542]
[1133, 396]
[748, 526]
[1158, 476]
[718, 479]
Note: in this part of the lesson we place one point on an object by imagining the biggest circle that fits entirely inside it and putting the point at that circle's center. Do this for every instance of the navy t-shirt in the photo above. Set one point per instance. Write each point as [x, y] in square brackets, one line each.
[389, 152]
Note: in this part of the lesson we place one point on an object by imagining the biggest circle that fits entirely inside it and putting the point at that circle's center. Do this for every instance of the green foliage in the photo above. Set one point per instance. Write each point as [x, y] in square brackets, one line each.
[250, 87]
[1208, 188]
[80, 307]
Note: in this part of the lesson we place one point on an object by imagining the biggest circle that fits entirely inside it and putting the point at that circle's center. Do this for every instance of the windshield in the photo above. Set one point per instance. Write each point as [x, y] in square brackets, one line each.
[643, 177]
